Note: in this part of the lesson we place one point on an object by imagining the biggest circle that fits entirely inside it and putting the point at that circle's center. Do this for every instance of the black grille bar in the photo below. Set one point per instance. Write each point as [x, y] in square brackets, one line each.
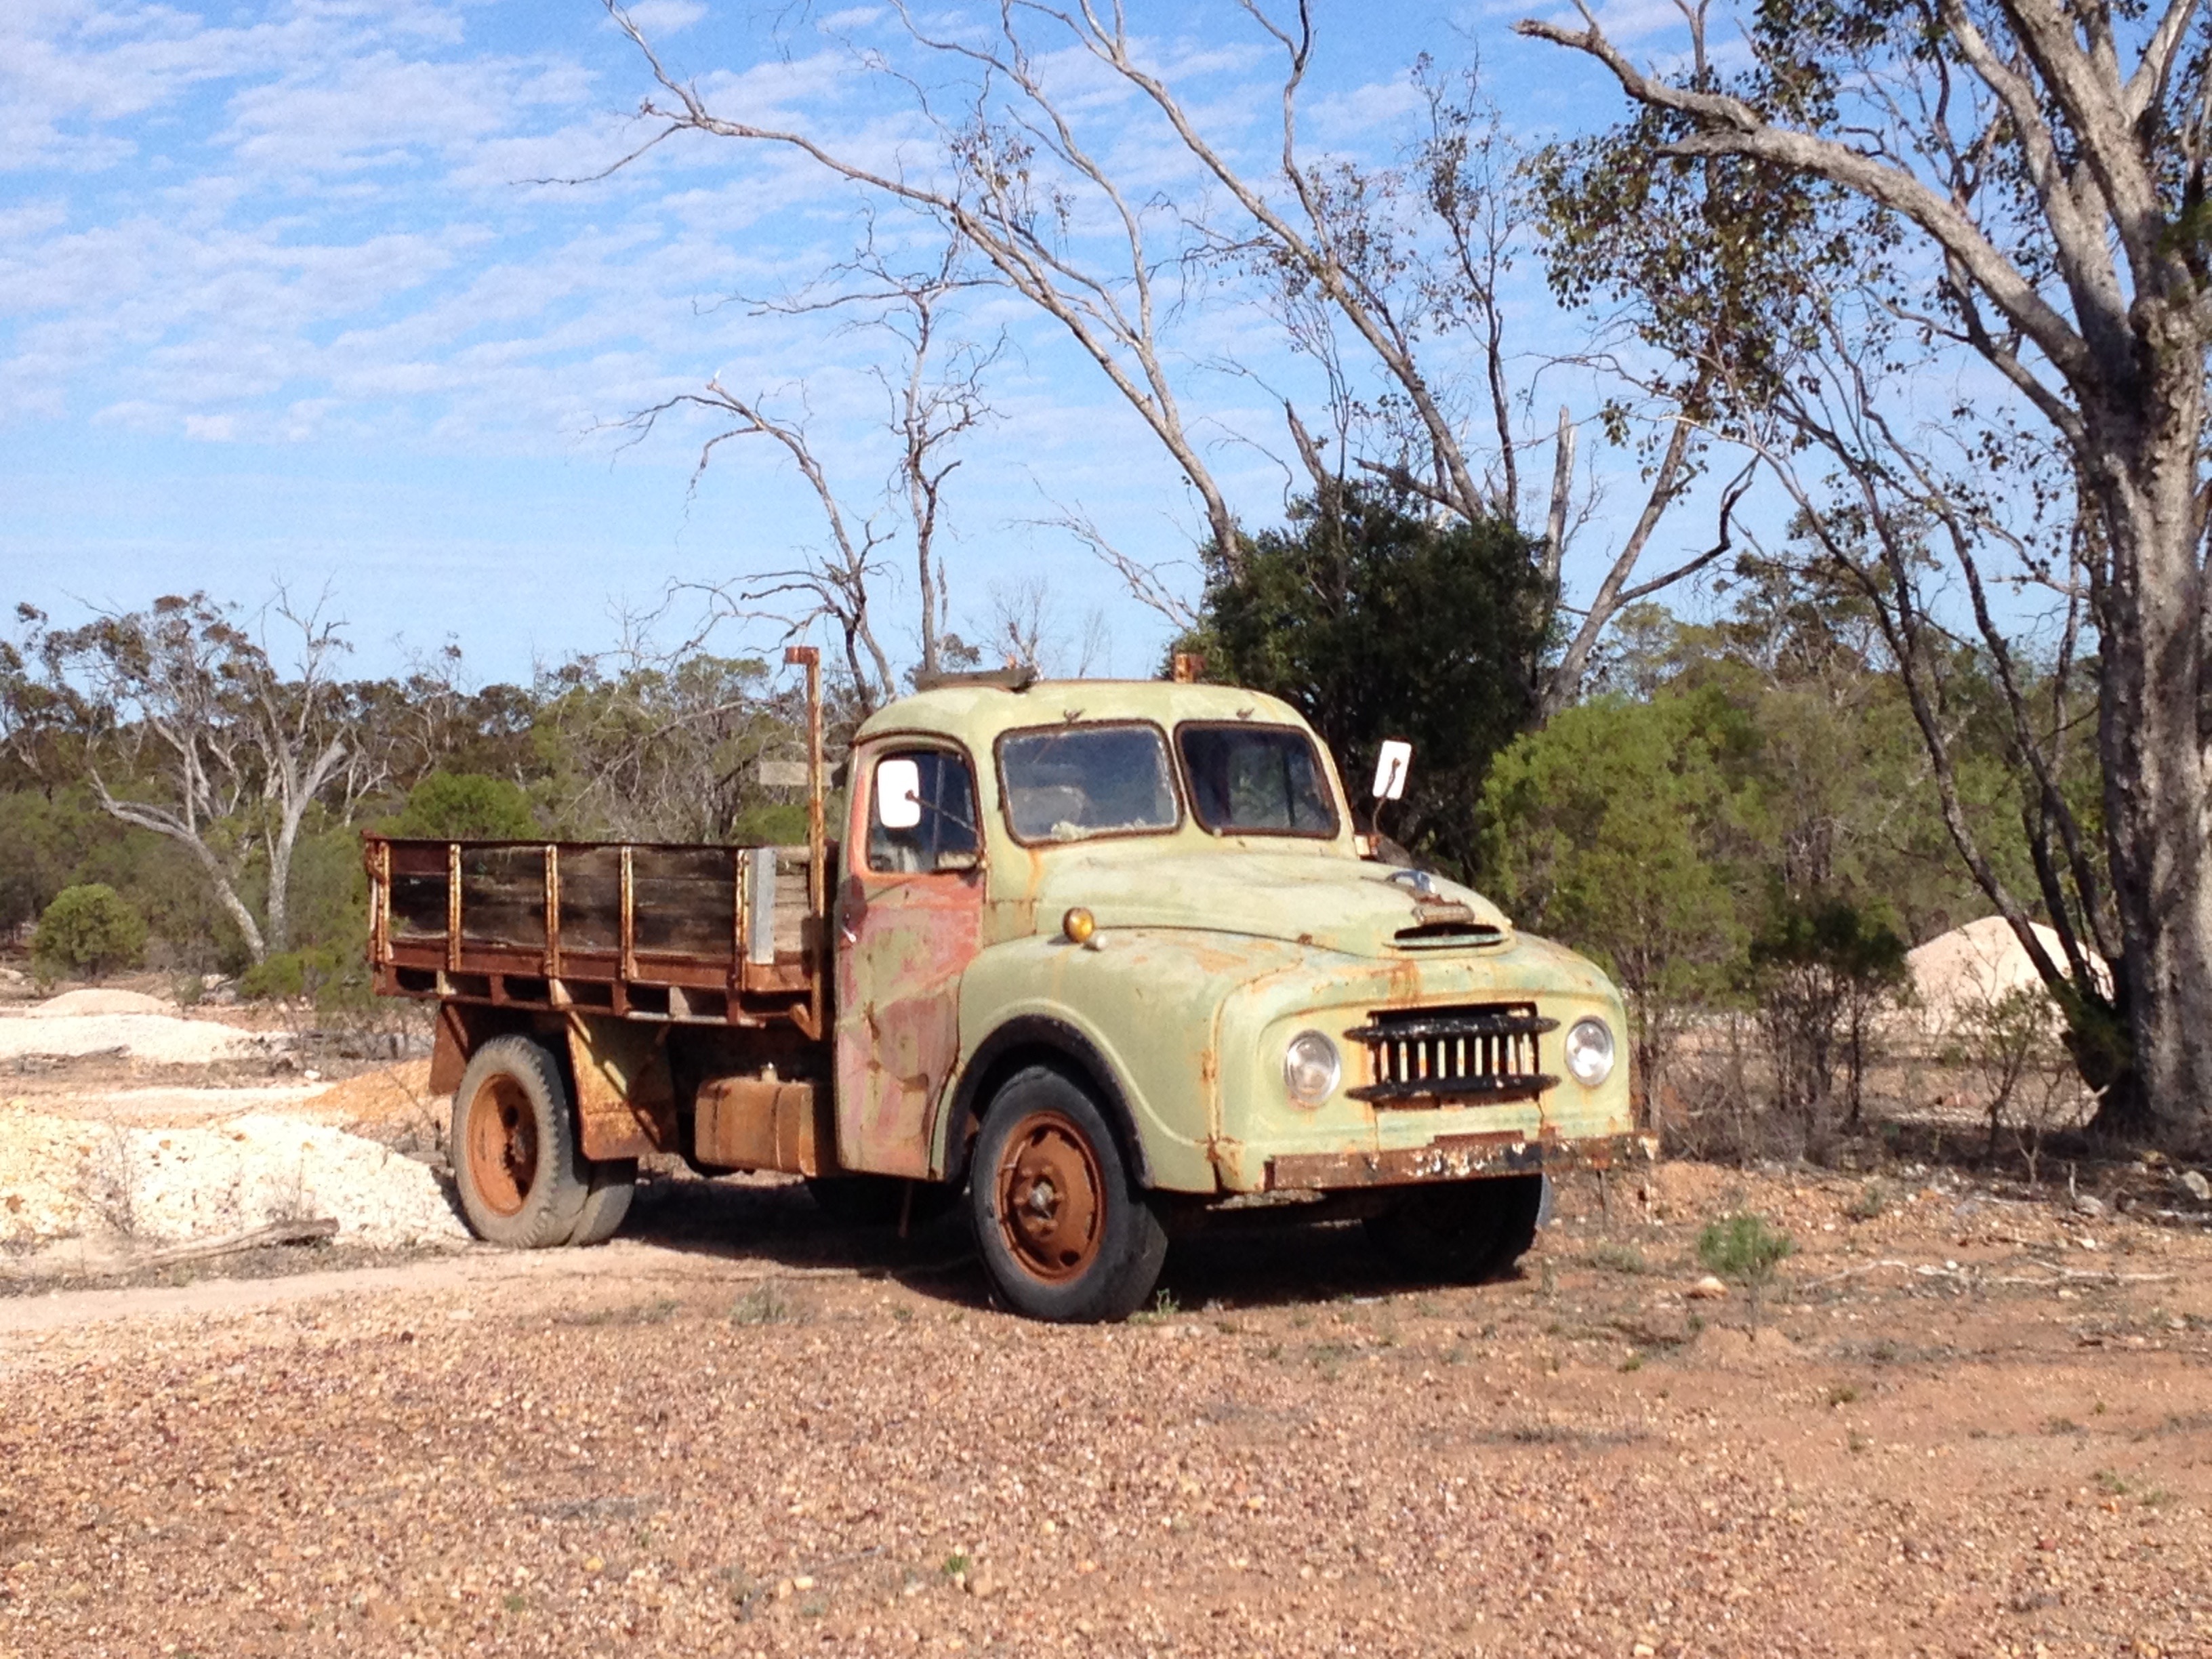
[1435, 1054]
[1507, 1086]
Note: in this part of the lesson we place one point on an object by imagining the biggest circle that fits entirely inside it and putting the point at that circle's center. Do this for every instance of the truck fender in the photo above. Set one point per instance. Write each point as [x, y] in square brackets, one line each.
[462, 1029]
[1028, 1040]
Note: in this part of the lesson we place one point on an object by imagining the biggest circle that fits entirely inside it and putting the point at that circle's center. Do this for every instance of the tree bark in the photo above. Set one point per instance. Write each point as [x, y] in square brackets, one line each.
[2152, 740]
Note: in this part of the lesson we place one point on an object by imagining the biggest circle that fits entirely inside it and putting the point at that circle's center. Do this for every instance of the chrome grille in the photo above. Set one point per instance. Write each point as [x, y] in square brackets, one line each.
[1428, 1056]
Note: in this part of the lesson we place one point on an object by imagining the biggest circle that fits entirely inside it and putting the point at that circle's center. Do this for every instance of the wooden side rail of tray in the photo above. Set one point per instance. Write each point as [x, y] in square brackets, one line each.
[715, 935]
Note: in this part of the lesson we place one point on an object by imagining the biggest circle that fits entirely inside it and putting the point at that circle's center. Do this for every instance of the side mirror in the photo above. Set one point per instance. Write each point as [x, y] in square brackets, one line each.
[899, 792]
[1390, 768]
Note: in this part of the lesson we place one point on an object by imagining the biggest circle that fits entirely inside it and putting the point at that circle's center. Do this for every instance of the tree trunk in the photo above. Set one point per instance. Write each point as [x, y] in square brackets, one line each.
[929, 665]
[185, 836]
[2152, 740]
[280, 887]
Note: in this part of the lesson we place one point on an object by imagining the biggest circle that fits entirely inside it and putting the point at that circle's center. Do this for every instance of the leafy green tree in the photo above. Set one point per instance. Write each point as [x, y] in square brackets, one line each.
[190, 729]
[1862, 201]
[465, 806]
[88, 930]
[1374, 622]
[659, 750]
[1606, 828]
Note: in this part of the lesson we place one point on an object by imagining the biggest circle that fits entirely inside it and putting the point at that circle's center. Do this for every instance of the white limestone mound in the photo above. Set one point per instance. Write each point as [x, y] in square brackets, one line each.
[165, 1038]
[96, 1000]
[1957, 973]
[198, 1182]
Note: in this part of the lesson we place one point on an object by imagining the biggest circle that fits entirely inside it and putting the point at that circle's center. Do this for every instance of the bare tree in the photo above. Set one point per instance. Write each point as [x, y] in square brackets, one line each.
[937, 398]
[1408, 260]
[1018, 623]
[997, 196]
[1027, 629]
[2049, 163]
[834, 587]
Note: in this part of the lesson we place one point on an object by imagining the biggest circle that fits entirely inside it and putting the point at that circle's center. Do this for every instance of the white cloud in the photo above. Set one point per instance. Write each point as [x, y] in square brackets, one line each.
[1375, 112]
[664, 17]
[384, 109]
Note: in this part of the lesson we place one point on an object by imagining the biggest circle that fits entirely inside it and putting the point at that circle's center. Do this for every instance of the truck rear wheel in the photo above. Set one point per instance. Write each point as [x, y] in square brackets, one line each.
[1466, 1231]
[613, 1182]
[1065, 1234]
[521, 1180]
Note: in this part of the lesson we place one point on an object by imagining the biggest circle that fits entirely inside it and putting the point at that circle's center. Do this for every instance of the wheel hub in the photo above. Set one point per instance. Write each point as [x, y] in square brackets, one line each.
[1051, 1198]
[502, 1143]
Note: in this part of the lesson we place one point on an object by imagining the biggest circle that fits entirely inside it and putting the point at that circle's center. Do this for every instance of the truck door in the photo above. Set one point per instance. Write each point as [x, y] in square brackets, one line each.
[909, 918]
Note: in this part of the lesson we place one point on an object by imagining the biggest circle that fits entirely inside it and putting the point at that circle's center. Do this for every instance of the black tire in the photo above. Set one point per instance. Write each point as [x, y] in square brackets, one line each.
[613, 1182]
[521, 1181]
[1464, 1231]
[1065, 1233]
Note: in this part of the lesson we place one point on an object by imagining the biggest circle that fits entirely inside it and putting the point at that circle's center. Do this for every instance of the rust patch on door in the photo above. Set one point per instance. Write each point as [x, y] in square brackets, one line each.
[904, 940]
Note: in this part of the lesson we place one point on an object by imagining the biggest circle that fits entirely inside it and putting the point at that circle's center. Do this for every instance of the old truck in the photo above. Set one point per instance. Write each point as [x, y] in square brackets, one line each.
[1091, 958]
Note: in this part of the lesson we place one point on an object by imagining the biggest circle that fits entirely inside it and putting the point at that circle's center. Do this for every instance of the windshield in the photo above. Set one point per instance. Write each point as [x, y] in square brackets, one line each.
[1066, 783]
[1256, 780]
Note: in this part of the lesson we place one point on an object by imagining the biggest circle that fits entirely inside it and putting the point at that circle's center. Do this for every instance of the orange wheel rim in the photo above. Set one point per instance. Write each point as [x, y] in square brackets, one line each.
[1052, 1198]
[502, 1143]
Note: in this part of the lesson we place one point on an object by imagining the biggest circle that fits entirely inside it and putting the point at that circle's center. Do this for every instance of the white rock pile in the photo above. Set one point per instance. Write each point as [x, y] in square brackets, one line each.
[167, 1186]
[95, 1021]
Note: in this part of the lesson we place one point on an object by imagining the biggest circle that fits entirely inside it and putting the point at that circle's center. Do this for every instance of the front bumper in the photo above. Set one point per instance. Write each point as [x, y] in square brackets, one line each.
[1459, 1157]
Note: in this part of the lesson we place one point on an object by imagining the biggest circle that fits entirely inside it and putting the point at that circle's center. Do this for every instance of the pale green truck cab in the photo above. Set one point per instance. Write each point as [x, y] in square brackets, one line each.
[1102, 955]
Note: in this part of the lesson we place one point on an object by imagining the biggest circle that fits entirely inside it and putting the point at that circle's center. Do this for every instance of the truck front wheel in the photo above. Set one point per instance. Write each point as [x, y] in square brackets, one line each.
[521, 1180]
[1064, 1232]
[1466, 1231]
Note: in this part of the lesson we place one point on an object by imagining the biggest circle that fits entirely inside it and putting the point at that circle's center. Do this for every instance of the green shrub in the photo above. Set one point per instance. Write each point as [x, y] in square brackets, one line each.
[1743, 1248]
[465, 806]
[91, 929]
[277, 978]
[329, 978]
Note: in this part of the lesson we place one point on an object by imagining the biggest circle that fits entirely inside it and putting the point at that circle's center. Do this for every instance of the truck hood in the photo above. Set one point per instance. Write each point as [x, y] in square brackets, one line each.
[1304, 897]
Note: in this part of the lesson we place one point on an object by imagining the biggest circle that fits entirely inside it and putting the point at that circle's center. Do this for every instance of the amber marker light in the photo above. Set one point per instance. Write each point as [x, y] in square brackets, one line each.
[1078, 924]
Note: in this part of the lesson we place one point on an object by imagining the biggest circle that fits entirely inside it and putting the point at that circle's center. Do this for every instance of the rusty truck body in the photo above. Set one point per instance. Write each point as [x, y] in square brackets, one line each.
[1089, 955]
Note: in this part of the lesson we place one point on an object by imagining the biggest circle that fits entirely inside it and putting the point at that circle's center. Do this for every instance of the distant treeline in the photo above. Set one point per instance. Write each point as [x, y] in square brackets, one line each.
[215, 771]
[1737, 815]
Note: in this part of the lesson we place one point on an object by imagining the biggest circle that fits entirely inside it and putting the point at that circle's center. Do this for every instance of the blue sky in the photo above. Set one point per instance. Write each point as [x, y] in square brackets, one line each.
[278, 302]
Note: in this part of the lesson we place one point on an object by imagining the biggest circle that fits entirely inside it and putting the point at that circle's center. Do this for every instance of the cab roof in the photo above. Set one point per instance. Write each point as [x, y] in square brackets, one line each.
[977, 712]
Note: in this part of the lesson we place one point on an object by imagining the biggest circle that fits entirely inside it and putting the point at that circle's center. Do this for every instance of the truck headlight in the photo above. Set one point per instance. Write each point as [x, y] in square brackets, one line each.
[1589, 1052]
[1312, 1070]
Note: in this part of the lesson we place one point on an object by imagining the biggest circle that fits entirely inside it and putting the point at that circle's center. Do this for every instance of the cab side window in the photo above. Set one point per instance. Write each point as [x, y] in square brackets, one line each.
[922, 816]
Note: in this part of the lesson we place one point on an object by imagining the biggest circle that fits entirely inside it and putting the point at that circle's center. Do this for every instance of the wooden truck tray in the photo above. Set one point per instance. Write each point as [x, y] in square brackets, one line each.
[710, 935]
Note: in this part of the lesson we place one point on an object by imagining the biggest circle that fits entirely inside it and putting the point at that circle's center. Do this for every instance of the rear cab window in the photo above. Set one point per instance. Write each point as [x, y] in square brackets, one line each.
[1067, 783]
[1245, 779]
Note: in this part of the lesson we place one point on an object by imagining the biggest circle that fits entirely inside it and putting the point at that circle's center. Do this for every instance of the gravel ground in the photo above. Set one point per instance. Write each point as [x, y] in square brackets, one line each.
[1969, 1425]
